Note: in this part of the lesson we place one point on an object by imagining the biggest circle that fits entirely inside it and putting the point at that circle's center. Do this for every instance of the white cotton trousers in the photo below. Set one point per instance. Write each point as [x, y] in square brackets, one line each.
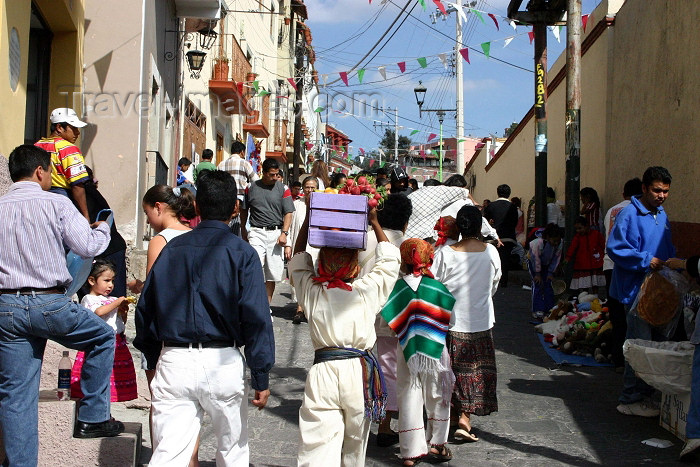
[189, 382]
[332, 421]
[414, 393]
[386, 356]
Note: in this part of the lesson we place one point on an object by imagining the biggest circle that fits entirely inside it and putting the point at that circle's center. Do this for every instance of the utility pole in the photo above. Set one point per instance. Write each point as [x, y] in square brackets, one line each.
[299, 51]
[573, 114]
[460, 99]
[540, 14]
[396, 132]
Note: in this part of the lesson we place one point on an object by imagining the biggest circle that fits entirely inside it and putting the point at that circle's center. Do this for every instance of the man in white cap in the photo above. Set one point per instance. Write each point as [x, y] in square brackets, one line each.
[69, 171]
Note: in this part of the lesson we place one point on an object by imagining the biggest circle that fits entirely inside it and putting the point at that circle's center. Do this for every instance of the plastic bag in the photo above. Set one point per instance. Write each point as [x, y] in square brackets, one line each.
[671, 315]
[667, 366]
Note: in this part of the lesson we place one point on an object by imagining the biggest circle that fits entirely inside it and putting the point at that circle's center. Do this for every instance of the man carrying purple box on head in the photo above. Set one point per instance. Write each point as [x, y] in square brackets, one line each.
[269, 208]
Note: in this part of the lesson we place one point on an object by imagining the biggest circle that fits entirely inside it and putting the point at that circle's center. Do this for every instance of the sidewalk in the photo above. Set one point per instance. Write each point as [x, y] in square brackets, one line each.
[548, 414]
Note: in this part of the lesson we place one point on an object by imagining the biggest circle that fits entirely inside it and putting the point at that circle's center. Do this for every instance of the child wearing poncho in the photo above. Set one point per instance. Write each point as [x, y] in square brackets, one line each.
[342, 390]
[419, 310]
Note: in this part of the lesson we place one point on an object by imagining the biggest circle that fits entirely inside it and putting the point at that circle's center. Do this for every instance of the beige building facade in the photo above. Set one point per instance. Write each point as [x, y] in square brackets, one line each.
[638, 89]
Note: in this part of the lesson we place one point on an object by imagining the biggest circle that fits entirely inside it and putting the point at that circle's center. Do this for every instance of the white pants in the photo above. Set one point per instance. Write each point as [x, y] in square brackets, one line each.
[332, 421]
[189, 382]
[271, 254]
[415, 392]
[386, 355]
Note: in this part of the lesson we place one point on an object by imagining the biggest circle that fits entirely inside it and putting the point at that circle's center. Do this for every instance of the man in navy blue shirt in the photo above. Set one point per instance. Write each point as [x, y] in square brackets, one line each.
[204, 298]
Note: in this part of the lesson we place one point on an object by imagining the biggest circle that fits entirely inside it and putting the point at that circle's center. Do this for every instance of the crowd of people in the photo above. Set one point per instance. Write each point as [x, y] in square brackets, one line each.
[400, 329]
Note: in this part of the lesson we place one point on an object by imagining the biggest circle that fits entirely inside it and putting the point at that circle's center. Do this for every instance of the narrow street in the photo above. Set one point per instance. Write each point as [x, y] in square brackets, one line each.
[548, 414]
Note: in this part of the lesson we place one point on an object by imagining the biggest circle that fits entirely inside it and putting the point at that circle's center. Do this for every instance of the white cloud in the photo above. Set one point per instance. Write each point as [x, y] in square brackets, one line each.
[339, 11]
[480, 84]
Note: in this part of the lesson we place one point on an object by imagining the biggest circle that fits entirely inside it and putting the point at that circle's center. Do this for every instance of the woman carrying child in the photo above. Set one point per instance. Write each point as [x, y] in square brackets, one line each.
[587, 250]
[471, 269]
[113, 310]
[344, 389]
[419, 310]
[543, 260]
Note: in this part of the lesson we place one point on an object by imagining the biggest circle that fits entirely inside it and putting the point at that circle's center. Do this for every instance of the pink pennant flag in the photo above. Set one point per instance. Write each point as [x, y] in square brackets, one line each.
[584, 20]
[495, 21]
[434, 173]
[402, 66]
[431, 136]
[422, 153]
[344, 77]
[362, 151]
[309, 146]
[291, 81]
[371, 163]
[440, 6]
[465, 54]
[531, 35]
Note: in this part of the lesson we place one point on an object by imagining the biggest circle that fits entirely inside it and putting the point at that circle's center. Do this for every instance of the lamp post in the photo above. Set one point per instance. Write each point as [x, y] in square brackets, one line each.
[195, 62]
[420, 92]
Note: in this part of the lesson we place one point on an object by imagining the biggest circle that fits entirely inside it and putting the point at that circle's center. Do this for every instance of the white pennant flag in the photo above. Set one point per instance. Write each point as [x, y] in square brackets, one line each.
[443, 59]
[507, 41]
[381, 152]
[459, 8]
[555, 31]
[512, 24]
[382, 71]
[324, 78]
[362, 160]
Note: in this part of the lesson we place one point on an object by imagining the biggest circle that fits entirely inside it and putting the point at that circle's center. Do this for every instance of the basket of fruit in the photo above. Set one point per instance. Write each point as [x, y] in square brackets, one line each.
[338, 217]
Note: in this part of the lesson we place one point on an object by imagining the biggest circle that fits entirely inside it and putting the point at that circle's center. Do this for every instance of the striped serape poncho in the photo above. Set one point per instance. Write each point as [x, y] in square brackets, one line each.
[420, 319]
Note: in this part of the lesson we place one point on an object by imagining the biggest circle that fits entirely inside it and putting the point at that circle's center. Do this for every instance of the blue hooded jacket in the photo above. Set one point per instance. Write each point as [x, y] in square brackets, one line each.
[636, 238]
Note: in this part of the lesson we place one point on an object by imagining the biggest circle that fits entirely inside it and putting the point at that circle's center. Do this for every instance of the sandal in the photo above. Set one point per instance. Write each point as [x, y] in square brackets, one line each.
[412, 461]
[443, 453]
[463, 435]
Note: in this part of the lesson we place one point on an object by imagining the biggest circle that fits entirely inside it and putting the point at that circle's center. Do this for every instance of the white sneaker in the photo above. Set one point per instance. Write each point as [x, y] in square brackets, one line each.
[690, 448]
[643, 408]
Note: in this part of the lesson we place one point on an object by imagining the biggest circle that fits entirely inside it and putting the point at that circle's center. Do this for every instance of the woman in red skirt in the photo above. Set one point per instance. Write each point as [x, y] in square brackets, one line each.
[113, 310]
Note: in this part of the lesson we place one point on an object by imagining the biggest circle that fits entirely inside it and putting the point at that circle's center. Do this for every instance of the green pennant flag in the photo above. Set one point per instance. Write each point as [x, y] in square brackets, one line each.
[414, 132]
[360, 74]
[461, 140]
[423, 62]
[486, 47]
[478, 13]
[255, 86]
[318, 109]
[434, 152]
[349, 158]
[382, 164]
[263, 93]
[413, 169]
[422, 3]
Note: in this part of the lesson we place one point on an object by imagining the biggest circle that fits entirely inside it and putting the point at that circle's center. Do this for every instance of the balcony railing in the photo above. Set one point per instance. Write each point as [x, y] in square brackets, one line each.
[240, 66]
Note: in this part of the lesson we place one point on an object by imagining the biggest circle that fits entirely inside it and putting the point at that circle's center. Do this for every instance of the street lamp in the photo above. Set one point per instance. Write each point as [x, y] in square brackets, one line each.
[420, 92]
[195, 61]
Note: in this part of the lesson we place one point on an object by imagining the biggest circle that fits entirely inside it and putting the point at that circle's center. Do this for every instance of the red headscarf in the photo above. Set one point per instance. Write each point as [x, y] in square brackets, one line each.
[336, 265]
[418, 254]
[446, 228]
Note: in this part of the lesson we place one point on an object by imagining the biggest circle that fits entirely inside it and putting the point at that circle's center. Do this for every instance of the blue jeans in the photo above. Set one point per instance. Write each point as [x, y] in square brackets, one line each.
[26, 322]
[692, 426]
[635, 389]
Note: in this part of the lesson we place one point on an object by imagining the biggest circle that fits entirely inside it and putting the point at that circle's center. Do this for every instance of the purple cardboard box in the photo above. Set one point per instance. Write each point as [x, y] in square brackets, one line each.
[345, 212]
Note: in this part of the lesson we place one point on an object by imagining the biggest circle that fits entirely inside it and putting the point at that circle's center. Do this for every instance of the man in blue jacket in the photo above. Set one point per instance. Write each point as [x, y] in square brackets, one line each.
[640, 242]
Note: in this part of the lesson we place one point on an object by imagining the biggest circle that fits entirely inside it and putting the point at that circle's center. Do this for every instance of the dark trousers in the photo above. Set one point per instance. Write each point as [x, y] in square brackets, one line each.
[505, 252]
[618, 318]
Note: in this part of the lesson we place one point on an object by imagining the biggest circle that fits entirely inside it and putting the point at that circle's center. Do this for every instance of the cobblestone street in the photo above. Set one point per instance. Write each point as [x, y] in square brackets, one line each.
[548, 414]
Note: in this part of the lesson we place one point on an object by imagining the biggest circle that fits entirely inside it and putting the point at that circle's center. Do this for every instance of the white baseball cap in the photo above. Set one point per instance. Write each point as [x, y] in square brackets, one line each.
[66, 115]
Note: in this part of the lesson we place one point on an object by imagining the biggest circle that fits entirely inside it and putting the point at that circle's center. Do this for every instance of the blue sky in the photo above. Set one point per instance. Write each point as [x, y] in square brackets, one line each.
[495, 93]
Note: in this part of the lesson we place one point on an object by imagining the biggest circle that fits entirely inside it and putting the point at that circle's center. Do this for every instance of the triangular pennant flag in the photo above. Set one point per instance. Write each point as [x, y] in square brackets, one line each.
[413, 170]
[382, 71]
[360, 74]
[324, 78]
[555, 31]
[382, 163]
[349, 157]
[486, 47]
[431, 136]
[507, 41]
[402, 66]
[344, 77]
[465, 54]
[531, 35]
[478, 13]
[443, 59]
[422, 3]
[255, 86]
[458, 7]
[292, 82]
[423, 62]
[584, 20]
[414, 132]
[318, 109]
[264, 93]
[495, 21]
[362, 151]
[362, 160]
[440, 6]
[461, 140]
[422, 153]
[309, 146]
[512, 24]
[371, 163]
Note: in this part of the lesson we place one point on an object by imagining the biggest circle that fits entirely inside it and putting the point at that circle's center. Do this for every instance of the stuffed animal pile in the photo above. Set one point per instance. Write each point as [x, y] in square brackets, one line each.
[579, 327]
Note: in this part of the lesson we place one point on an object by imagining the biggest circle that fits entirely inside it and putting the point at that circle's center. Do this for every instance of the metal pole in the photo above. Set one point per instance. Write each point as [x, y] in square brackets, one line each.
[396, 134]
[441, 116]
[540, 30]
[298, 107]
[460, 99]
[573, 115]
